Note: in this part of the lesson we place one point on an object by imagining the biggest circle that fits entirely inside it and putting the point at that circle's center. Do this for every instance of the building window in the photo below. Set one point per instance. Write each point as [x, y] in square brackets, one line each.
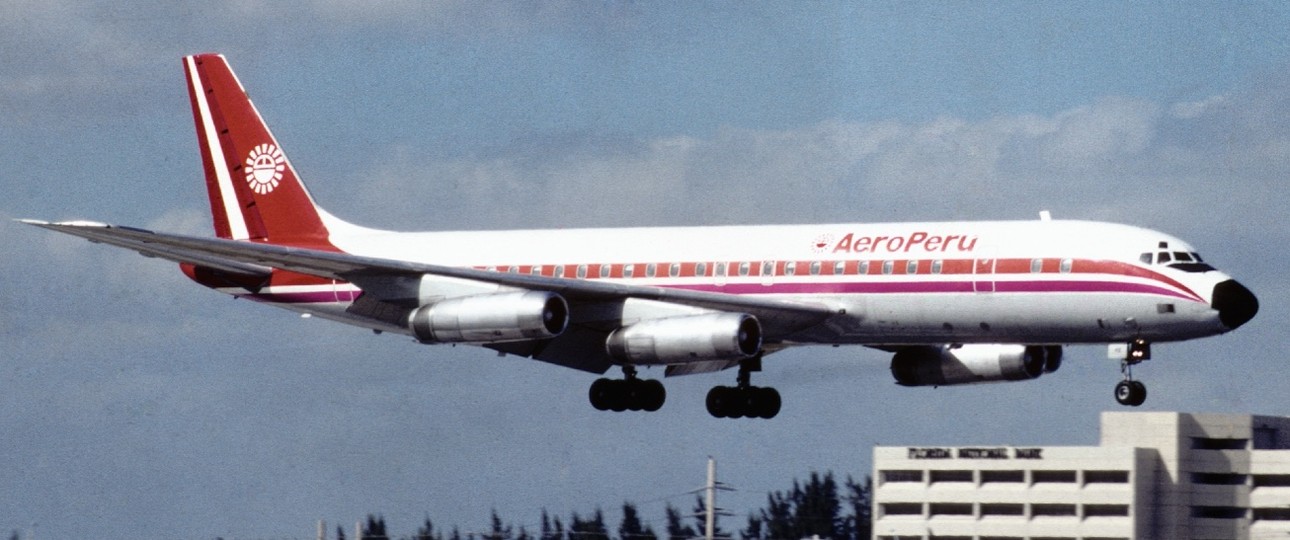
[901, 509]
[1052, 477]
[1106, 510]
[1218, 479]
[1272, 480]
[1002, 509]
[951, 476]
[1272, 514]
[1265, 438]
[950, 509]
[990, 477]
[1202, 443]
[1217, 512]
[1106, 477]
[900, 476]
[1052, 510]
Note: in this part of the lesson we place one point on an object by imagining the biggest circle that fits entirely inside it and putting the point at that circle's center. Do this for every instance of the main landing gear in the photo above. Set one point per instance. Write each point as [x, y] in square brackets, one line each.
[1128, 391]
[744, 400]
[628, 393]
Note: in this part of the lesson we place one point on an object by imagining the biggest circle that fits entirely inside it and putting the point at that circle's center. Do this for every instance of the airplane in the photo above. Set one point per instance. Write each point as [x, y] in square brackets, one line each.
[953, 302]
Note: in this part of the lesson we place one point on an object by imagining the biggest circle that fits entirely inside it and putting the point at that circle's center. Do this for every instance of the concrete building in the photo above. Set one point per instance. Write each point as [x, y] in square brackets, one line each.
[1155, 475]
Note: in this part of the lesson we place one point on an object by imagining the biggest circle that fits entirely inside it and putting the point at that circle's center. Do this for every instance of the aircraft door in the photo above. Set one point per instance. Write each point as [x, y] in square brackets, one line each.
[983, 276]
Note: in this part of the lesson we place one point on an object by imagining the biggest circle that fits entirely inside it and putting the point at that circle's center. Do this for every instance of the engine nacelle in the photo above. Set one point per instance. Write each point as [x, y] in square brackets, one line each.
[945, 366]
[694, 338]
[491, 318]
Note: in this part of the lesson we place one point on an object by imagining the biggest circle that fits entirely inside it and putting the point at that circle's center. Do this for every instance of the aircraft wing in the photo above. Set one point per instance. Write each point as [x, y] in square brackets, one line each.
[779, 318]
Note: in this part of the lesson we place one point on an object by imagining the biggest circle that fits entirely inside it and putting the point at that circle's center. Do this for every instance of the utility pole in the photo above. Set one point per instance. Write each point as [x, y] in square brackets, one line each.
[710, 501]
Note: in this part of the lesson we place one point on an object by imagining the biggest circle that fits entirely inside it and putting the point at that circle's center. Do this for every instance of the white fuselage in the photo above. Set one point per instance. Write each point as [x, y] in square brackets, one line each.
[1039, 282]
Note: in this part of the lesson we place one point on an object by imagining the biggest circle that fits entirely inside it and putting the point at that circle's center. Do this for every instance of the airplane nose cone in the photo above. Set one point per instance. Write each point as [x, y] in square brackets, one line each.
[1236, 305]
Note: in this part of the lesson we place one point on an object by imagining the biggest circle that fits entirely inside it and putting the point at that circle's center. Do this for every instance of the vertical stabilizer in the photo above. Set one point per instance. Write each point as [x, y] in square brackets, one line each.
[255, 193]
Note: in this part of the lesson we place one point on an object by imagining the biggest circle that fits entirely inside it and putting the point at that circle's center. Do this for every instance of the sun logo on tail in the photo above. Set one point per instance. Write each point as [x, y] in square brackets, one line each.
[264, 168]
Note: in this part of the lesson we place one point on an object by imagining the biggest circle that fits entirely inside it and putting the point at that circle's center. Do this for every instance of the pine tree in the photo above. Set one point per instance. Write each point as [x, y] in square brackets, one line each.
[753, 530]
[860, 499]
[818, 509]
[426, 532]
[340, 533]
[375, 529]
[589, 529]
[631, 527]
[676, 528]
[498, 532]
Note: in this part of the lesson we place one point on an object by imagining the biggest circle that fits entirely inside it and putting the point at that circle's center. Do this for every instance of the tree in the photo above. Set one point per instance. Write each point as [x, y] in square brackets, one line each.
[753, 530]
[427, 532]
[676, 528]
[340, 533]
[374, 529]
[631, 527]
[818, 509]
[498, 532]
[860, 499]
[589, 529]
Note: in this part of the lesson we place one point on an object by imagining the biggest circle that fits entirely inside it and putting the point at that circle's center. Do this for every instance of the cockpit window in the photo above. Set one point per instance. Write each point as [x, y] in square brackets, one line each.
[1187, 261]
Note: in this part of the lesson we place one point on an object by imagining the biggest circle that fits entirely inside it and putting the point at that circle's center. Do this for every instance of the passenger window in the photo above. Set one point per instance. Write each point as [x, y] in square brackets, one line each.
[864, 267]
[629, 270]
[790, 268]
[1163, 257]
[911, 267]
[1036, 266]
[768, 269]
[1067, 264]
[650, 269]
[513, 270]
[721, 269]
[815, 268]
[839, 268]
[558, 271]
[937, 266]
[674, 270]
[888, 266]
[605, 270]
[582, 271]
[701, 269]
[744, 268]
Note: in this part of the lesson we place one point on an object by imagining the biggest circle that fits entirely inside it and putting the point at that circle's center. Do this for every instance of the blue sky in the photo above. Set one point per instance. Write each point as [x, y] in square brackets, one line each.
[136, 401]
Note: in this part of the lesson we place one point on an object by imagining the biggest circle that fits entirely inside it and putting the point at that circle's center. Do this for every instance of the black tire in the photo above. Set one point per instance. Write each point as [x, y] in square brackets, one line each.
[768, 402]
[1139, 393]
[599, 394]
[618, 395]
[1124, 393]
[719, 401]
[655, 395]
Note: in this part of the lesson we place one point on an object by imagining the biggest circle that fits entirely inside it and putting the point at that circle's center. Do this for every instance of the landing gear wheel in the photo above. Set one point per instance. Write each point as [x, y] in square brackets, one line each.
[627, 394]
[741, 402]
[1131, 393]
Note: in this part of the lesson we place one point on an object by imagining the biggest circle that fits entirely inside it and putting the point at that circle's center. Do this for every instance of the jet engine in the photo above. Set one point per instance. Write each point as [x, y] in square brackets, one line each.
[944, 366]
[674, 340]
[491, 318]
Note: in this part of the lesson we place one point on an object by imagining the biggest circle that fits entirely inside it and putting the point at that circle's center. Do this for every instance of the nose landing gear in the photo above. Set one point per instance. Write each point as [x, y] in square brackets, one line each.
[1128, 391]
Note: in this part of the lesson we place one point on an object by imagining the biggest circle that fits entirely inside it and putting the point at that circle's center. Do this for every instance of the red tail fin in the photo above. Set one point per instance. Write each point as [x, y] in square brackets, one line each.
[254, 191]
